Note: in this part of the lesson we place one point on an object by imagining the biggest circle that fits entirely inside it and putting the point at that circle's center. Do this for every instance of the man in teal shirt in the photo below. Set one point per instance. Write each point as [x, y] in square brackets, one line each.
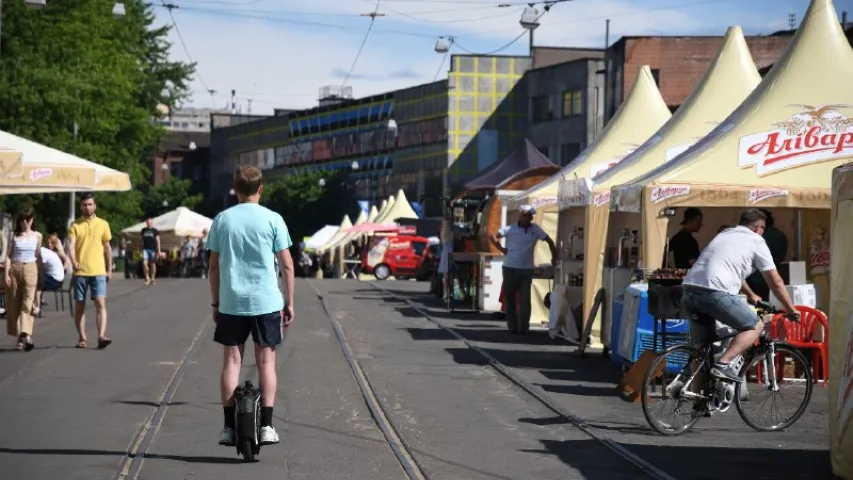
[244, 242]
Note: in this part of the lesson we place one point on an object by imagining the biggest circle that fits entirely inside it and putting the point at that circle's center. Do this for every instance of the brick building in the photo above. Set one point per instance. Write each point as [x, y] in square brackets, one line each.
[677, 63]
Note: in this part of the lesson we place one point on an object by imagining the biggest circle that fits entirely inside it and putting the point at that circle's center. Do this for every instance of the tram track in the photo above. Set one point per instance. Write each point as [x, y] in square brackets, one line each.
[650, 470]
[401, 450]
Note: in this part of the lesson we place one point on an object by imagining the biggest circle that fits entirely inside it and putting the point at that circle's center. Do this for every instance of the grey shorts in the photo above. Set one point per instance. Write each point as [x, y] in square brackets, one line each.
[730, 310]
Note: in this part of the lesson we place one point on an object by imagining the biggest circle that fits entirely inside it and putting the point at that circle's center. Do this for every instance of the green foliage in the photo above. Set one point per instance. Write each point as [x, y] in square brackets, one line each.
[169, 195]
[306, 205]
[73, 62]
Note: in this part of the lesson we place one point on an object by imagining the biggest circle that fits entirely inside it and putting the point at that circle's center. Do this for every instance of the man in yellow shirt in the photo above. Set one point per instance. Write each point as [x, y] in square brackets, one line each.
[91, 257]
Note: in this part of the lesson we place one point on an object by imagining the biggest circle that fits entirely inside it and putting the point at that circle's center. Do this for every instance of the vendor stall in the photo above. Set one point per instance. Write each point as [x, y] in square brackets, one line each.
[642, 113]
[841, 322]
[479, 211]
[729, 79]
[776, 150]
[320, 237]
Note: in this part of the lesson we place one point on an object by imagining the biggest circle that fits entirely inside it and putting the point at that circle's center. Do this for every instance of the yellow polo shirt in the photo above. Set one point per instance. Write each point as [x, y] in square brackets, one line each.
[89, 235]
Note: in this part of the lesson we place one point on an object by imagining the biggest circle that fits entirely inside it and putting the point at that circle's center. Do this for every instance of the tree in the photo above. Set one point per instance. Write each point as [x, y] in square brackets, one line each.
[306, 205]
[169, 195]
[73, 63]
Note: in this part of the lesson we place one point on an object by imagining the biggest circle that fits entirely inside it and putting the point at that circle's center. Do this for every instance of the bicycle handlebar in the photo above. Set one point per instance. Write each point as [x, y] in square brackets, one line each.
[769, 308]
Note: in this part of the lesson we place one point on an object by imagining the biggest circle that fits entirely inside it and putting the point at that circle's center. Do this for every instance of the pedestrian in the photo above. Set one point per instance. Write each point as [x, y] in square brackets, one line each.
[521, 240]
[150, 251]
[90, 254]
[22, 269]
[187, 257]
[203, 253]
[55, 264]
[243, 242]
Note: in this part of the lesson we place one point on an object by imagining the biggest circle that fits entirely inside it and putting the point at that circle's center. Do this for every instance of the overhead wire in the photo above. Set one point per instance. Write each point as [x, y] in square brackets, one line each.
[169, 8]
[363, 42]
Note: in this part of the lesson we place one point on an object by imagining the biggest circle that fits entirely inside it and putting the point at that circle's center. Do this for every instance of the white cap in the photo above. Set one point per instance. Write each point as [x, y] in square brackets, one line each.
[527, 209]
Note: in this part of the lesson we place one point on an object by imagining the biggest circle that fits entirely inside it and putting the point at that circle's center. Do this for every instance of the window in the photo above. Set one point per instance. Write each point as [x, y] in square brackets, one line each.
[540, 110]
[656, 76]
[572, 103]
[568, 152]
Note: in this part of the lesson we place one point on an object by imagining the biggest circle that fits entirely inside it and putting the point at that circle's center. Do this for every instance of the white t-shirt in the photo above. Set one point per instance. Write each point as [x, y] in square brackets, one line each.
[730, 257]
[520, 244]
[53, 266]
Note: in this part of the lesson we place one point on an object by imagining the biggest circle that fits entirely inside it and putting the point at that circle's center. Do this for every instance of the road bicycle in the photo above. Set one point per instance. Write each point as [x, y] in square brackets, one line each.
[682, 374]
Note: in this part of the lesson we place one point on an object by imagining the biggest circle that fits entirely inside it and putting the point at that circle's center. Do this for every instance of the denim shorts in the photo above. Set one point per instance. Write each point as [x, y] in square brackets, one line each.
[149, 256]
[97, 284]
[730, 310]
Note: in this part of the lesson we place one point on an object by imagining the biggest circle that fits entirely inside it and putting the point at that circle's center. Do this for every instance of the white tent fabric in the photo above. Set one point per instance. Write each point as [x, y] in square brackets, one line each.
[174, 226]
[373, 214]
[345, 223]
[346, 237]
[399, 208]
[321, 237]
[30, 167]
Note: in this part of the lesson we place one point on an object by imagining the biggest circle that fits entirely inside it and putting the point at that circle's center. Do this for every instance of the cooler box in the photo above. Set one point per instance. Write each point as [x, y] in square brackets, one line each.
[636, 328]
[615, 329]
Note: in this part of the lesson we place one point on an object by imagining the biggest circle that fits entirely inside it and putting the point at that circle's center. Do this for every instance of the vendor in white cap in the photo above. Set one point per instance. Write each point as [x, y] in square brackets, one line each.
[518, 265]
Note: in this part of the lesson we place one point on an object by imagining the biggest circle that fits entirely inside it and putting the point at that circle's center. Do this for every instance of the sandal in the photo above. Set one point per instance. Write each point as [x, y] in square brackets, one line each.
[104, 343]
[28, 344]
[20, 345]
[81, 344]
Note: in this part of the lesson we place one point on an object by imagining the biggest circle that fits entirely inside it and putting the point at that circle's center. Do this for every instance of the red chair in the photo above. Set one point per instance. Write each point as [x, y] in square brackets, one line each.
[801, 335]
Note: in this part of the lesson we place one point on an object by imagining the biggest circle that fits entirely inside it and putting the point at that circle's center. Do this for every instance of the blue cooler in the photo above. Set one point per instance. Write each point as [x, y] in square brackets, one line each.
[636, 328]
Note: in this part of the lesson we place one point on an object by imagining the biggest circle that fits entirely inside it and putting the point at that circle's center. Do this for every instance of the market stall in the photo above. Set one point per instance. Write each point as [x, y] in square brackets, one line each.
[775, 151]
[174, 227]
[320, 237]
[729, 79]
[841, 321]
[642, 113]
[479, 210]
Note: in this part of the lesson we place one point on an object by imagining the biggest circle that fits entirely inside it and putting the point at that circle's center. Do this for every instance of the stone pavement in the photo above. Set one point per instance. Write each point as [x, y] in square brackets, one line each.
[74, 414]
[719, 447]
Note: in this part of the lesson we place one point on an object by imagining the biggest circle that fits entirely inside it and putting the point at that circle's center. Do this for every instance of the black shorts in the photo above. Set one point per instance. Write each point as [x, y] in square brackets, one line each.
[234, 330]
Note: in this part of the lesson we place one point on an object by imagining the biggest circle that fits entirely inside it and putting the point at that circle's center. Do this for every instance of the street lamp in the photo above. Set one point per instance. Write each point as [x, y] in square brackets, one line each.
[354, 165]
[36, 4]
[530, 21]
[118, 10]
[322, 182]
[392, 127]
[165, 203]
[231, 192]
[443, 44]
[192, 146]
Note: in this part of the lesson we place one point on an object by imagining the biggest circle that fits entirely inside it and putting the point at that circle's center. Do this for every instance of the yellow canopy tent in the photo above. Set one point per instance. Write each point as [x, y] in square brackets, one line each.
[841, 324]
[30, 167]
[399, 208]
[642, 113]
[777, 149]
[729, 79]
[373, 213]
[345, 223]
[346, 237]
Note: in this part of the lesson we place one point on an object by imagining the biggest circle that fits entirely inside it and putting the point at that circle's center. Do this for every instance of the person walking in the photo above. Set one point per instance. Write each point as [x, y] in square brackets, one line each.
[91, 258]
[244, 240]
[203, 253]
[22, 270]
[188, 255]
[55, 264]
[521, 240]
[150, 251]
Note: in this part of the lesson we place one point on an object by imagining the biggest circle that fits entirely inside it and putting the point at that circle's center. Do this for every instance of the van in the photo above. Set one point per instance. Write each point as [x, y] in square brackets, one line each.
[402, 256]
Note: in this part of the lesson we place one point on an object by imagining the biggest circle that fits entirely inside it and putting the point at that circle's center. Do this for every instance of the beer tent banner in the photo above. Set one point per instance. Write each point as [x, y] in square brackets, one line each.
[841, 325]
[729, 79]
[777, 149]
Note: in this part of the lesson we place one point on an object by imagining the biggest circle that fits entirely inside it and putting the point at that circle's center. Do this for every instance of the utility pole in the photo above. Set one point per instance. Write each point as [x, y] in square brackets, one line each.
[792, 21]
[212, 93]
[249, 100]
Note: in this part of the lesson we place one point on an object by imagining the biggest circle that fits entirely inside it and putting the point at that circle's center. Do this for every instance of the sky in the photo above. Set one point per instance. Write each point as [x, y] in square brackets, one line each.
[278, 53]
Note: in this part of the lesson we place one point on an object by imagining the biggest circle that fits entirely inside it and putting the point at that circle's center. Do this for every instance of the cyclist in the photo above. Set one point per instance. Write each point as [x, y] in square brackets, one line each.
[712, 285]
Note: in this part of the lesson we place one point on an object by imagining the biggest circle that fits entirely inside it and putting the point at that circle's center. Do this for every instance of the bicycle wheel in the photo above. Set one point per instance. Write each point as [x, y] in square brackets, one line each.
[793, 376]
[665, 381]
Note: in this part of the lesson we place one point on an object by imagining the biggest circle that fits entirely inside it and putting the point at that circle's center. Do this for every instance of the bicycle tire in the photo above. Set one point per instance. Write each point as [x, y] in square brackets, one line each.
[692, 353]
[809, 385]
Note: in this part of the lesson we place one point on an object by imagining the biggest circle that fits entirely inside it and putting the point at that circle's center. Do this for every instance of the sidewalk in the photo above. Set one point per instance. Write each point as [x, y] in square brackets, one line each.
[716, 448]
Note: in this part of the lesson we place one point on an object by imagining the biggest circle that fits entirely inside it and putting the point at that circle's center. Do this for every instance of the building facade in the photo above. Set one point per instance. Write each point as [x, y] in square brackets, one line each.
[677, 63]
[566, 107]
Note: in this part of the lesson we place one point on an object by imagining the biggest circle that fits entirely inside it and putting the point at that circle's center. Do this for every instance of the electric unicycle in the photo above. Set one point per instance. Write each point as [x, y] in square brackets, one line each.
[247, 421]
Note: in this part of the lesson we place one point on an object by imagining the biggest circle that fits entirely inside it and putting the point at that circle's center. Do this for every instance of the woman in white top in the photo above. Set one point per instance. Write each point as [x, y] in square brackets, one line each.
[55, 263]
[23, 265]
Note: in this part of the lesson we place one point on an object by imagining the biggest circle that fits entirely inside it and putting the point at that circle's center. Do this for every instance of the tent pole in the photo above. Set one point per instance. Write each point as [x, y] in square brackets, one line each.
[798, 234]
[71, 209]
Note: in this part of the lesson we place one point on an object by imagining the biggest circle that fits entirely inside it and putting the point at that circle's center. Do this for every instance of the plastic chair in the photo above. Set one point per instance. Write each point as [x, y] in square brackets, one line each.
[801, 335]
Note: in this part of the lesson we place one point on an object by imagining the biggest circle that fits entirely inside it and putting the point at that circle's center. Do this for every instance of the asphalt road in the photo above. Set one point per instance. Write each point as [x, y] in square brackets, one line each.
[75, 414]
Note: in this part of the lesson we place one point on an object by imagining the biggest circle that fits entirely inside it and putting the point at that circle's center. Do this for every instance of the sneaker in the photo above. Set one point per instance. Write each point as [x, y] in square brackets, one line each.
[268, 436]
[147, 282]
[227, 437]
[726, 373]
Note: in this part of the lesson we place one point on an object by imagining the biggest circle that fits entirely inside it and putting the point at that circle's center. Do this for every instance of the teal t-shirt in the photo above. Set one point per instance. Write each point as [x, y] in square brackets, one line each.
[247, 237]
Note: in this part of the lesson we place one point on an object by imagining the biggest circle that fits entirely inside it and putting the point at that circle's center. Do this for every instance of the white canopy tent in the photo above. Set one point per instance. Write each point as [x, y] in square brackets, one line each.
[174, 226]
[399, 208]
[321, 237]
[345, 223]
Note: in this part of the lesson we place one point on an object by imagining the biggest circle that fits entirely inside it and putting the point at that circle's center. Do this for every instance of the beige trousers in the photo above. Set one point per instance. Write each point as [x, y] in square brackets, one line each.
[20, 297]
